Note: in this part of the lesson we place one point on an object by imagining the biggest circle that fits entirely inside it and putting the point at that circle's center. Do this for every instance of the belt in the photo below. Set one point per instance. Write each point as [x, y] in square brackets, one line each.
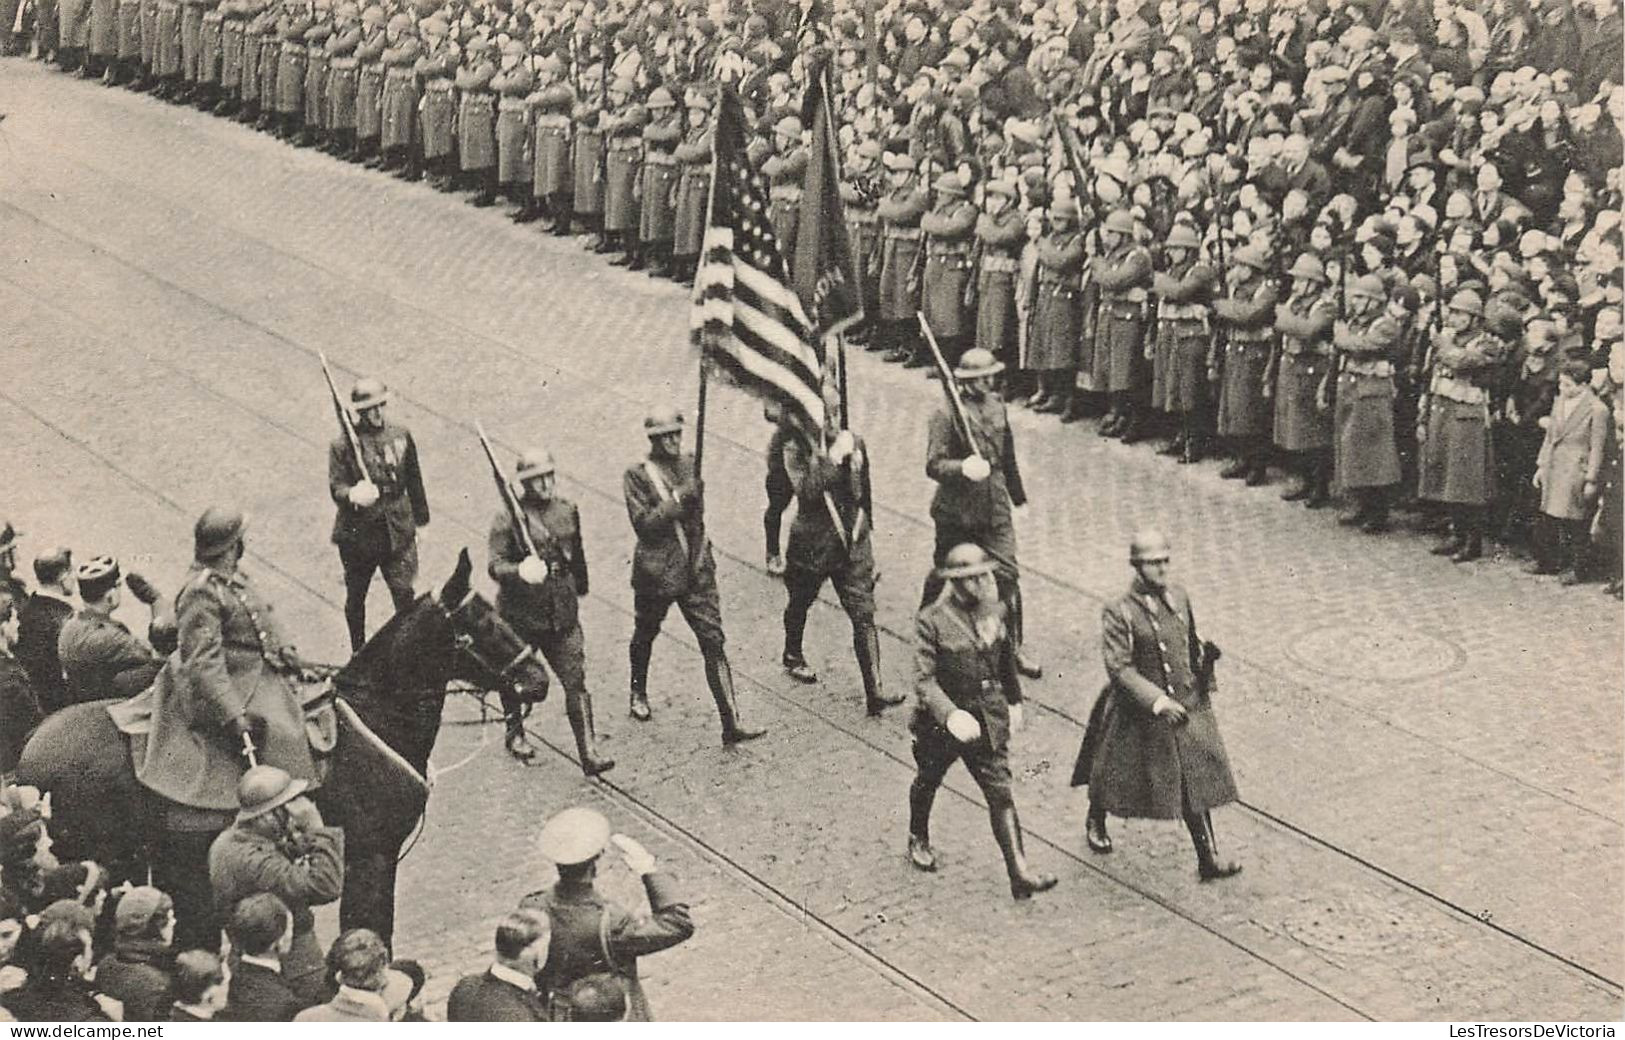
[343, 63]
[1381, 369]
[1001, 264]
[553, 121]
[1170, 311]
[480, 98]
[623, 144]
[862, 216]
[397, 72]
[1292, 347]
[438, 85]
[508, 103]
[907, 234]
[1459, 390]
[659, 159]
[291, 49]
[1249, 337]
[937, 248]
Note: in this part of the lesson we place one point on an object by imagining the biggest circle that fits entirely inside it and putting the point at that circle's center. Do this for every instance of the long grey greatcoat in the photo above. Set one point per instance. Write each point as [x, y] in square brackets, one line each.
[1572, 454]
[1144, 766]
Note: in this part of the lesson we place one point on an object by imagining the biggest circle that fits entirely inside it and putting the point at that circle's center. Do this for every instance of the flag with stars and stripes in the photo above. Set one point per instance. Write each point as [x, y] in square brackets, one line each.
[746, 318]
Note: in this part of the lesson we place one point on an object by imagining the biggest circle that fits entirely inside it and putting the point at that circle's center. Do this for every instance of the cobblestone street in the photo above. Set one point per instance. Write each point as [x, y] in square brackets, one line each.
[1430, 755]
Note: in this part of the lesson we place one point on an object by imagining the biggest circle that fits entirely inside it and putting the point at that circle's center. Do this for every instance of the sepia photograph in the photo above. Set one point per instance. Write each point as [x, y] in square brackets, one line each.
[812, 511]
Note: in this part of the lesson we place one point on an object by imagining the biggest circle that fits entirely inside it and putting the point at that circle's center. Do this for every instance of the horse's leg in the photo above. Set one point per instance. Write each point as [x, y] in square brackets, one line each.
[181, 868]
[369, 889]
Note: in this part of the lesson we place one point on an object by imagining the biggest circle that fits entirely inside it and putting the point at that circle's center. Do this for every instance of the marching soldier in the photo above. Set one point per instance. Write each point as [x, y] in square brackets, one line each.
[657, 187]
[1123, 273]
[343, 79]
[1179, 361]
[100, 657]
[1304, 321]
[977, 486]
[673, 564]
[784, 170]
[1001, 232]
[538, 595]
[437, 112]
[1365, 461]
[693, 158]
[860, 192]
[381, 506]
[552, 176]
[950, 232]
[830, 540]
[1052, 338]
[513, 83]
[1458, 458]
[900, 210]
[623, 125]
[398, 108]
[586, 157]
[1246, 315]
[476, 122]
[969, 704]
[1153, 749]
[369, 90]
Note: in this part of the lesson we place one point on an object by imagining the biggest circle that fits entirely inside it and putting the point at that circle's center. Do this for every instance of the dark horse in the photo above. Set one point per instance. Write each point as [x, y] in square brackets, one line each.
[395, 686]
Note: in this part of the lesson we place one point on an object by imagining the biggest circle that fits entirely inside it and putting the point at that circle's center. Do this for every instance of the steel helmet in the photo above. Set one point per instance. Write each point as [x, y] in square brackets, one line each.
[663, 420]
[1467, 302]
[1309, 267]
[368, 393]
[1182, 236]
[534, 462]
[1120, 221]
[1148, 546]
[966, 560]
[218, 529]
[264, 788]
[976, 363]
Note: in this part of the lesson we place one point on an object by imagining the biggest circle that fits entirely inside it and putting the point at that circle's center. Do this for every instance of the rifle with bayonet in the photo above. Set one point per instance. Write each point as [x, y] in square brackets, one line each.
[510, 500]
[344, 422]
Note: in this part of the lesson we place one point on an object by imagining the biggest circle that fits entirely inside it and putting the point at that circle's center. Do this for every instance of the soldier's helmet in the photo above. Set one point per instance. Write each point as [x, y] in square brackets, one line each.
[574, 836]
[966, 560]
[1120, 221]
[264, 788]
[660, 98]
[534, 462]
[1369, 286]
[661, 421]
[368, 393]
[218, 529]
[1308, 266]
[949, 183]
[1065, 206]
[1467, 302]
[789, 126]
[977, 363]
[96, 575]
[1182, 236]
[1148, 546]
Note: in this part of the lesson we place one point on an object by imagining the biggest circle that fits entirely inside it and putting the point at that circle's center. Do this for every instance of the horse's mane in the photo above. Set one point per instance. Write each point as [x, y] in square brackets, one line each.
[364, 668]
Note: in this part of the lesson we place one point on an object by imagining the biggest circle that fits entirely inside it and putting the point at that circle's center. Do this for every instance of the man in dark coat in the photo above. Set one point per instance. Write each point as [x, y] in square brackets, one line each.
[137, 972]
[1155, 751]
[261, 931]
[57, 990]
[39, 623]
[673, 564]
[506, 991]
[381, 506]
[590, 934]
[540, 573]
[19, 707]
[969, 703]
[100, 657]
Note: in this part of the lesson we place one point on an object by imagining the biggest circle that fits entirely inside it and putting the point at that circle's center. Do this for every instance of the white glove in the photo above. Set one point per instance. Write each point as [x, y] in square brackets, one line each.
[1017, 718]
[640, 859]
[841, 448]
[364, 494]
[975, 469]
[532, 570]
[963, 725]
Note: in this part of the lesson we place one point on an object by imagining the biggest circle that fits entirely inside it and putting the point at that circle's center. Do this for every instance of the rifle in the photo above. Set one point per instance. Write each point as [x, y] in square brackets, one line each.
[950, 385]
[344, 420]
[509, 499]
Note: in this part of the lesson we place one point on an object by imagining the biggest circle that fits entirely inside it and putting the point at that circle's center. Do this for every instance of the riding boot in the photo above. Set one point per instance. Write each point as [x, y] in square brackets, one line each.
[514, 738]
[1054, 400]
[530, 210]
[1471, 523]
[637, 256]
[578, 708]
[1094, 830]
[1017, 620]
[1320, 481]
[1208, 863]
[1258, 471]
[1174, 448]
[795, 664]
[1077, 407]
[920, 797]
[639, 653]
[1007, 832]
[720, 677]
[866, 644]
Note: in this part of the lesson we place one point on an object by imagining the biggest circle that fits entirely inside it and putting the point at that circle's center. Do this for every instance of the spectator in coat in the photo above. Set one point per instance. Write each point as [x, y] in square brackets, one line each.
[199, 986]
[57, 989]
[261, 931]
[19, 707]
[368, 990]
[138, 971]
[1568, 472]
[40, 620]
[506, 991]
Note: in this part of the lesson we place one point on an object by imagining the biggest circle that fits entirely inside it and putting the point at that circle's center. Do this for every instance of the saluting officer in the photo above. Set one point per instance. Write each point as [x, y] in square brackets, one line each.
[538, 595]
[100, 657]
[1303, 430]
[977, 485]
[1247, 314]
[673, 564]
[1123, 273]
[380, 509]
[1458, 454]
[1365, 458]
[969, 703]
[1179, 358]
[950, 232]
[831, 540]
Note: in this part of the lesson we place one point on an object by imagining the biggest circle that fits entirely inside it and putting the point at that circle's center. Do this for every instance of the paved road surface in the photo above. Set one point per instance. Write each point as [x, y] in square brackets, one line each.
[1430, 754]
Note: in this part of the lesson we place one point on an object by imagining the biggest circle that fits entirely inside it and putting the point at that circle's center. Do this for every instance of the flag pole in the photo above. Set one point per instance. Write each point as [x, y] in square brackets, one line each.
[835, 164]
[705, 334]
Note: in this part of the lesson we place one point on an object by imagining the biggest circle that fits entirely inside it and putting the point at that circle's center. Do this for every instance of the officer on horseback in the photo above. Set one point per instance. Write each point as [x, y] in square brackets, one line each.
[229, 689]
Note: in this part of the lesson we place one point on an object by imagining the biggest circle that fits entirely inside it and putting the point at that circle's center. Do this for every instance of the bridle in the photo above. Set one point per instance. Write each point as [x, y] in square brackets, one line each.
[464, 643]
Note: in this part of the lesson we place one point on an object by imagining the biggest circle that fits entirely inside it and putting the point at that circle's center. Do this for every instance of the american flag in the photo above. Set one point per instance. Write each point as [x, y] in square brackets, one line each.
[746, 317]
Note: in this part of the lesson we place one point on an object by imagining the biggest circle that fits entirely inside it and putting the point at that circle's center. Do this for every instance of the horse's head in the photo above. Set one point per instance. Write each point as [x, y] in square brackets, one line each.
[450, 633]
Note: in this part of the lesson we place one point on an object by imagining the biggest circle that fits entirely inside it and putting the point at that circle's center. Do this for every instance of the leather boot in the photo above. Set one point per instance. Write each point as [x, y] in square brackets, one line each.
[639, 655]
[1077, 409]
[1174, 448]
[1017, 620]
[515, 741]
[795, 663]
[1209, 865]
[1237, 469]
[721, 679]
[1007, 832]
[1094, 831]
[1257, 472]
[578, 708]
[866, 645]
[920, 852]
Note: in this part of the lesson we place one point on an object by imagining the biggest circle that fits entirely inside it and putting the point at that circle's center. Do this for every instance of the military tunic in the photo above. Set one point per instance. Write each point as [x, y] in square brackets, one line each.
[547, 616]
[1053, 338]
[900, 211]
[476, 117]
[975, 511]
[1183, 336]
[673, 562]
[657, 209]
[999, 241]
[387, 529]
[693, 157]
[587, 187]
[1123, 275]
[437, 113]
[513, 124]
[959, 668]
[623, 130]
[818, 551]
[1458, 457]
[784, 177]
[552, 174]
[950, 233]
[101, 658]
[1364, 451]
[399, 107]
[1247, 316]
[1305, 324]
